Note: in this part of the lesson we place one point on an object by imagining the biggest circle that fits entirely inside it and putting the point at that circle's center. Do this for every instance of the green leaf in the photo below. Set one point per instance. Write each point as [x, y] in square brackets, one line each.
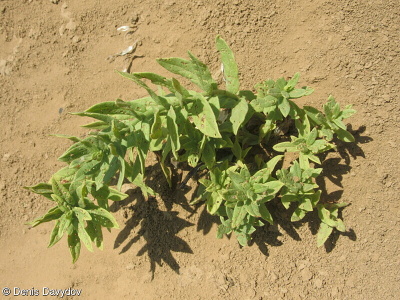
[44, 189]
[108, 108]
[85, 237]
[70, 137]
[272, 187]
[230, 69]
[194, 70]
[344, 135]
[265, 214]
[315, 198]
[61, 191]
[260, 176]
[53, 214]
[137, 80]
[291, 84]
[204, 118]
[298, 215]
[74, 245]
[273, 162]
[82, 214]
[239, 213]
[207, 83]
[95, 233]
[214, 202]
[306, 205]
[65, 174]
[323, 234]
[285, 146]
[208, 155]
[289, 198]
[116, 195]
[180, 91]
[237, 179]
[103, 217]
[139, 181]
[253, 209]
[54, 237]
[156, 79]
[284, 107]
[222, 230]
[64, 224]
[297, 93]
[340, 225]
[347, 112]
[239, 114]
[312, 137]
[315, 115]
[173, 131]
[243, 238]
[75, 151]
[325, 216]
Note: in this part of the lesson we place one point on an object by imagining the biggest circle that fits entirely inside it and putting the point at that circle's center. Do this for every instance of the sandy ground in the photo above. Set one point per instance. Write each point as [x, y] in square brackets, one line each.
[53, 60]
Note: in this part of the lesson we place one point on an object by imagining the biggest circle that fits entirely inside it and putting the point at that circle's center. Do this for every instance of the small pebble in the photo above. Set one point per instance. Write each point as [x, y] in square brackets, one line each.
[76, 39]
[318, 283]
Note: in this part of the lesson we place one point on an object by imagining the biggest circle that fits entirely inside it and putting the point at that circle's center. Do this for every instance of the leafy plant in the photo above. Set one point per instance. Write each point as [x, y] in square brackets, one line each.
[235, 135]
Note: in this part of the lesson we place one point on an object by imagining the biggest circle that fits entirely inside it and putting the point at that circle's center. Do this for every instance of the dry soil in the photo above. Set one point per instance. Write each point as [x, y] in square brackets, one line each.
[56, 58]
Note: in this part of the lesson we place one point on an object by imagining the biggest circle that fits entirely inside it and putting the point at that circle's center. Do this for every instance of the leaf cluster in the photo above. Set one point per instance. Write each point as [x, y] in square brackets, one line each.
[224, 131]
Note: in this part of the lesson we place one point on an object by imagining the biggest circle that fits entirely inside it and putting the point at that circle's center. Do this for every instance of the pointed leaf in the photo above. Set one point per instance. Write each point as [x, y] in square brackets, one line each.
[53, 214]
[325, 216]
[289, 198]
[54, 237]
[137, 80]
[82, 214]
[156, 79]
[173, 131]
[239, 114]
[265, 214]
[44, 189]
[193, 70]
[312, 137]
[61, 191]
[84, 237]
[297, 93]
[95, 233]
[103, 217]
[230, 69]
[323, 234]
[116, 195]
[204, 118]
[239, 213]
[222, 230]
[253, 209]
[284, 107]
[214, 202]
[291, 84]
[207, 83]
[298, 215]
[344, 135]
[65, 223]
[74, 245]
[285, 146]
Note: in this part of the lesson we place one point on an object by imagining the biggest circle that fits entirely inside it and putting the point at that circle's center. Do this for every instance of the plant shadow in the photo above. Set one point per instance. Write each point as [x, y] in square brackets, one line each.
[158, 229]
[334, 171]
[353, 150]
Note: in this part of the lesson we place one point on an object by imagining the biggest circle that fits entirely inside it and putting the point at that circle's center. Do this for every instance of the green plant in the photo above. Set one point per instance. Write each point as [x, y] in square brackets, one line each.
[215, 130]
